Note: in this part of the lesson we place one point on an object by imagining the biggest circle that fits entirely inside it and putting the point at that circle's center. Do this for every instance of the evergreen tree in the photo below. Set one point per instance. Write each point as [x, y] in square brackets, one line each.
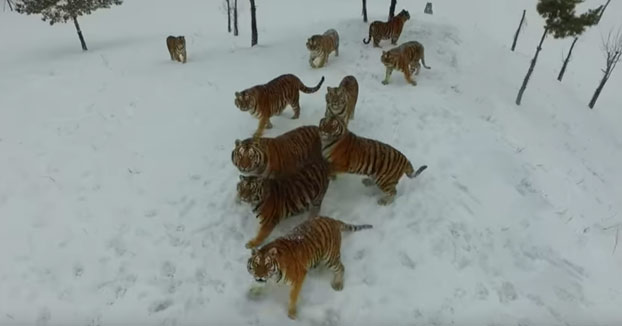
[560, 22]
[61, 11]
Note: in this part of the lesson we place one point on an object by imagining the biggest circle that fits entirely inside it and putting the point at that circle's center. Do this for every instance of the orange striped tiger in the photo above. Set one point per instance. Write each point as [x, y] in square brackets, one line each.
[264, 101]
[341, 101]
[321, 46]
[379, 30]
[177, 48]
[287, 259]
[277, 199]
[404, 58]
[278, 156]
[349, 153]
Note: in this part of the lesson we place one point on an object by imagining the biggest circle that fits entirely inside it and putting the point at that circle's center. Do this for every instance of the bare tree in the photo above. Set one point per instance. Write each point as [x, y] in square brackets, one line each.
[8, 2]
[602, 11]
[392, 9]
[228, 16]
[563, 71]
[612, 48]
[520, 25]
[235, 17]
[253, 24]
[365, 11]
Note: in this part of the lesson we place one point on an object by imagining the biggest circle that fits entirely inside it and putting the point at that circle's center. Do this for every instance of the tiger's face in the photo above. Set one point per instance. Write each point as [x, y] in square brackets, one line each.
[388, 58]
[335, 97]
[332, 127]
[244, 100]
[313, 42]
[250, 189]
[248, 156]
[263, 265]
[404, 14]
[181, 43]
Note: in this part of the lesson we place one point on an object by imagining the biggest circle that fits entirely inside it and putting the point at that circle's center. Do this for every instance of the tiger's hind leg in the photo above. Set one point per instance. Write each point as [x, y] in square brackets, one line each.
[376, 42]
[387, 76]
[408, 77]
[295, 103]
[394, 39]
[388, 186]
[269, 124]
[337, 282]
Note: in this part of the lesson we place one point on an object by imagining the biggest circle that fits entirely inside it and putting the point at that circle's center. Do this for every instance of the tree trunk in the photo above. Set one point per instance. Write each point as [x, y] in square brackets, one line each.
[392, 9]
[519, 97]
[10, 4]
[518, 30]
[365, 11]
[235, 18]
[598, 90]
[602, 11]
[75, 22]
[563, 71]
[253, 24]
[228, 16]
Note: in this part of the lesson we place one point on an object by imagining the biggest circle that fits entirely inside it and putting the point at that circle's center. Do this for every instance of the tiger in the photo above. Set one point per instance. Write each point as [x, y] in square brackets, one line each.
[321, 46]
[341, 101]
[405, 58]
[277, 199]
[177, 48]
[277, 156]
[287, 259]
[348, 153]
[266, 100]
[379, 30]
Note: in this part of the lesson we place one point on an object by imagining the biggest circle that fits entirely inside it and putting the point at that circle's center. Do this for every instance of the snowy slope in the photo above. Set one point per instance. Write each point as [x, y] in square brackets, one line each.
[116, 186]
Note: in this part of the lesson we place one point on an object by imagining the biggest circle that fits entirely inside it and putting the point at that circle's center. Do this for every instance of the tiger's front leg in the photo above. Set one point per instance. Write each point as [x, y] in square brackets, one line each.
[387, 76]
[323, 59]
[263, 123]
[264, 231]
[312, 61]
[408, 76]
[293, 295]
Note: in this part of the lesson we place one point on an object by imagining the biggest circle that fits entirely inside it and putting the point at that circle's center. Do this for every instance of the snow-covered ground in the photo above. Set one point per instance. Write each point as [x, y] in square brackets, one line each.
[116, 186]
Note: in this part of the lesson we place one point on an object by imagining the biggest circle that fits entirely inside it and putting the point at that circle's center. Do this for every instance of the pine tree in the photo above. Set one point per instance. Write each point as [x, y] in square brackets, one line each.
[61, 11]
[560, 22]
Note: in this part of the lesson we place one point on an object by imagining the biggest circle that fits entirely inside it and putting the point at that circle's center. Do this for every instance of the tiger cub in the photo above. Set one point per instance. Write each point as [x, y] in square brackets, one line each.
[265, 100]
[321, 46]
[341, 101]
[177, 48]
[404, 58]
[392, 29]
[349, 153]
[287, 259]
[277, 199]
[278, 156]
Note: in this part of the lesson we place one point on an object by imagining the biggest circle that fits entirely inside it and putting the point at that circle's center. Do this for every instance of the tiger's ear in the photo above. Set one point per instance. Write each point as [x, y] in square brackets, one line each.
[253, 251]
[273, 252]
[237, 94]
[237, 142]
[241, 177]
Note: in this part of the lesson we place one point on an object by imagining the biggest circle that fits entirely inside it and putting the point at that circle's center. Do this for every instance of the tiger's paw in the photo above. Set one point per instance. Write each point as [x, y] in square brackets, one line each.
[291, 313]
[368, 182]
[385, 82]
[252, 244]
[384, 201]
[337, 286]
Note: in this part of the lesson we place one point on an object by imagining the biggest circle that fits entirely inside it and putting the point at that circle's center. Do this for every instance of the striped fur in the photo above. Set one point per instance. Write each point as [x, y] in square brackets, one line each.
[321, 46]
[279, 156]
[177, 48]
[264, 101]
[277, 199]
[287, 259]
[349, 153]
[404, 58]
[341, 101]
[379, 30]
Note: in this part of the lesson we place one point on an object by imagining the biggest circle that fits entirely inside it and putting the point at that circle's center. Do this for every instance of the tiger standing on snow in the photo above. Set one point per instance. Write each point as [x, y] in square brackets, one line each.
[341, 101]
[287, 259]
[379, 30]
[321, 47]
[277, 199]
[265, 100]
[349, 153]
[280, 156]
[177, 48]
[404, 58]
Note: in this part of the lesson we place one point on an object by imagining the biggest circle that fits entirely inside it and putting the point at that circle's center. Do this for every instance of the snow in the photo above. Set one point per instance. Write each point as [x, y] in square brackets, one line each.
[117, 191]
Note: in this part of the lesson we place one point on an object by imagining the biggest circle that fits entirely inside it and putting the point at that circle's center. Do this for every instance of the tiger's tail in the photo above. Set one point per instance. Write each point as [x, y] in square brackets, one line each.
[423, 59]
[411, 173]
[345, 227]
[308, 90]
[369, 37]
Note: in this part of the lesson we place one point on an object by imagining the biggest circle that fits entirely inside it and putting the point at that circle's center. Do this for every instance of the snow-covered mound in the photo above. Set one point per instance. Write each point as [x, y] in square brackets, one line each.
[117, 190]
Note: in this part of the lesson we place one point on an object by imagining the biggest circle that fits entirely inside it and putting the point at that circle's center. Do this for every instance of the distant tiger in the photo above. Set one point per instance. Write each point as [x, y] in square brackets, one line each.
[264, 101]
[341, 101]
[404, 58]
[379, 30]
[278, 156]
[287, 259]
[349, 153]
[321, 46]
[277, 199]
[177, 48]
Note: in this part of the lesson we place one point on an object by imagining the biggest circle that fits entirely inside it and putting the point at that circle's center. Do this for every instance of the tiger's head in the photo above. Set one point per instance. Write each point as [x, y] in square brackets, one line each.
[181, 43]
[389, 58]
[335, 97]
[263, 265]
[332, 127]
[314, 42]
[250, 189]
[249, 157]
[404, 14]
[244, 100]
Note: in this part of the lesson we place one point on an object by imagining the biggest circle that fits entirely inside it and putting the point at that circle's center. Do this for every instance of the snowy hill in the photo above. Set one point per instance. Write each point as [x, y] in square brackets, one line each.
[117, 189]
